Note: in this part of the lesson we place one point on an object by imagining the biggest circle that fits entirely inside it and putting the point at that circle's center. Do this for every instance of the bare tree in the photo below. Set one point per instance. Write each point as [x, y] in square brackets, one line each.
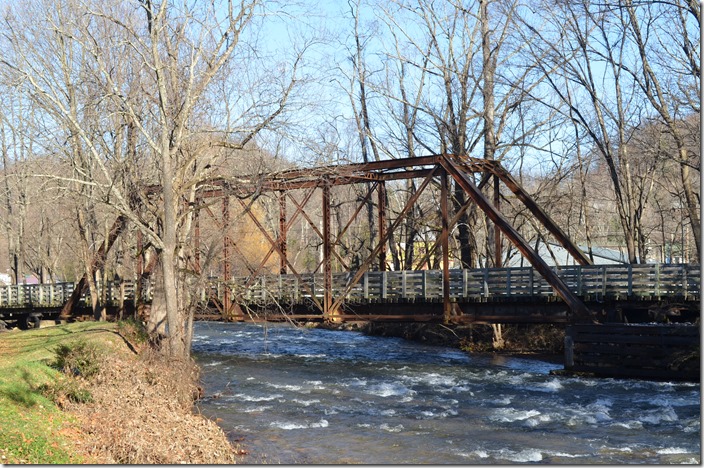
[603, 105]
[154, 66]
[652, 37]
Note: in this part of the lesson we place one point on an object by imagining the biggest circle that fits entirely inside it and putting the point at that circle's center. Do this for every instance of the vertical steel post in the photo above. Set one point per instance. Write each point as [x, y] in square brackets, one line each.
[381, 191]
[226, 299]
[498, 258]
[327, 260]
[282, 232]
[444, 237]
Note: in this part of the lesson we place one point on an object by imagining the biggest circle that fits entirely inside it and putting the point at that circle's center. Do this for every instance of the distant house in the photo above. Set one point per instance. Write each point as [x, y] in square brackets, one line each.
[31, 279]
[554, 254]
[5, 279]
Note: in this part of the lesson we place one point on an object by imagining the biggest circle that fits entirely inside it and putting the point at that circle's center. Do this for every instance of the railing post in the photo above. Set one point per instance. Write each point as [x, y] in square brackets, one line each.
[579, 280]
[508, 282]
[603, 282]
[486, 282]
[365, 286]
[296, 291]
[424, 284]
[657, 280]
[684, 280]
[384, 284]
[465, 281]
[530, 282]
[630, 280]
[404, 294]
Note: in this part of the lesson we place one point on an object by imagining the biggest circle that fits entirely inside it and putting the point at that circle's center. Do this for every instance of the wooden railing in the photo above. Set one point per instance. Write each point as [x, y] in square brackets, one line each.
[56, 294]
[594, 282]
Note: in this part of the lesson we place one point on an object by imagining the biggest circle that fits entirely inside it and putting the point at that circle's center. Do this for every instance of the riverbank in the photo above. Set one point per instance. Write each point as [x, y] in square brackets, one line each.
[135, 408]
[542, 341]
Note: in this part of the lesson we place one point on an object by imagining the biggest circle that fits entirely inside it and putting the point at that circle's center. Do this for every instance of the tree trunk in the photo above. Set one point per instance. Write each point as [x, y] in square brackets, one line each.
[691, 199]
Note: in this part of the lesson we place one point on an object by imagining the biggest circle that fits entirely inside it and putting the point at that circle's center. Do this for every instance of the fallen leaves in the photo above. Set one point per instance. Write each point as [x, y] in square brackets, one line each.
[143, 414]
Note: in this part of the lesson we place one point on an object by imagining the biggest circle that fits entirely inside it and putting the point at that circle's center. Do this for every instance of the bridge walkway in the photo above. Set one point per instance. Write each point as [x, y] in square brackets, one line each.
[498, 295]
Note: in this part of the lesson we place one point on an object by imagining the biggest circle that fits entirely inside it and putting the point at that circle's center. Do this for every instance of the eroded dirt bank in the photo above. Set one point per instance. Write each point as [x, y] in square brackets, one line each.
[546, 340]
[142, 413]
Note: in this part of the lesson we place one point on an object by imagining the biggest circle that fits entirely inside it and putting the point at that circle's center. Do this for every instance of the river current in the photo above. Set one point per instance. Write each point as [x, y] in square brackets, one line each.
[295, 395]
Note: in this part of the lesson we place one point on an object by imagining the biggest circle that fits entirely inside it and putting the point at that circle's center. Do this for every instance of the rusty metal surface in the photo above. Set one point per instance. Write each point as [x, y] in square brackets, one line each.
[378, 172]
[542, 216]
[576, 305]
[444, 240]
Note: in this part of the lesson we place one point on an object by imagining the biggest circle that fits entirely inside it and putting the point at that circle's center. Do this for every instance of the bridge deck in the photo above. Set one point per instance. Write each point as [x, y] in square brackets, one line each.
[398, 295]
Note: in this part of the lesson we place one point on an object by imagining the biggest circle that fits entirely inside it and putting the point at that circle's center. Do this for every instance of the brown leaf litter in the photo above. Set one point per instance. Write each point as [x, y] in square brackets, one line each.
[142, 413]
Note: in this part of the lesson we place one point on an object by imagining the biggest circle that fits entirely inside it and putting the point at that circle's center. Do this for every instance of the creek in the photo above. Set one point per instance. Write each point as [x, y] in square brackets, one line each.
[298, 395]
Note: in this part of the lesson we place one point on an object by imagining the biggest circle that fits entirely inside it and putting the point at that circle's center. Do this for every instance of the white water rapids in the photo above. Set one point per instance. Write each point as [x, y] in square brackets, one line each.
[293, 395]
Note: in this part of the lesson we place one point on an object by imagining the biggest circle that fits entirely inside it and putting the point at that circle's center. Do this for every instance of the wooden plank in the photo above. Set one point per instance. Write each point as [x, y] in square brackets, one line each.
[614, 349]
[645, 351]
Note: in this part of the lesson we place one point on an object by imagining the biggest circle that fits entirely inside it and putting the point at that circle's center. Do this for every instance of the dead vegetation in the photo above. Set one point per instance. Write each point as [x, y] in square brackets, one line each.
[142, 413]
[518, 338]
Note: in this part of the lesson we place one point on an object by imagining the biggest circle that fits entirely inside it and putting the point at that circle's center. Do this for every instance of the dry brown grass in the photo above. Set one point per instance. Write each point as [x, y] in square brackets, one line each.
[142, 413]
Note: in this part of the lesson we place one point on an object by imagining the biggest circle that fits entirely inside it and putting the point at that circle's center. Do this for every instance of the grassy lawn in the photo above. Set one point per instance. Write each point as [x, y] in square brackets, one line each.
[32, 428]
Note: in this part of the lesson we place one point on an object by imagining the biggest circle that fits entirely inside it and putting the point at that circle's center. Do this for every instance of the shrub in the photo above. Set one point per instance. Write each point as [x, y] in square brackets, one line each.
[133, 331]
[66, 389]
[81, 358]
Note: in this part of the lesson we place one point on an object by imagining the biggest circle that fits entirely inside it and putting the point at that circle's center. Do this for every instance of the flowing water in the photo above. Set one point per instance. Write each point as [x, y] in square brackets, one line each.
[293, 395]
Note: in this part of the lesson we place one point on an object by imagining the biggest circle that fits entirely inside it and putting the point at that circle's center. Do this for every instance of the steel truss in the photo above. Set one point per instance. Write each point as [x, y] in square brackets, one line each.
[436, 169]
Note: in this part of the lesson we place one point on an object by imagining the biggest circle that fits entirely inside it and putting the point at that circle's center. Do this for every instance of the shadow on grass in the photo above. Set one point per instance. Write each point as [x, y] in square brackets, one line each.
[25, 393]
[127, 342]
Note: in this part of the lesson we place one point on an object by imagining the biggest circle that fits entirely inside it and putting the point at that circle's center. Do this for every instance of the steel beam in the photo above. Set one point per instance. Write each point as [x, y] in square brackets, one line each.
[381, 191]
[226, 297]
[542, 216]
[272, 247]
[365, 265]
[327, 261]
[444, 240]
[275, 245]
[455, 219]
[578, 308]
[282, 232]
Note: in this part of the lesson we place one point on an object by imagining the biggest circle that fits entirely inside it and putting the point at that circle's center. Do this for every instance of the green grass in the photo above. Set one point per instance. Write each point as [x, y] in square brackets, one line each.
[32, 428]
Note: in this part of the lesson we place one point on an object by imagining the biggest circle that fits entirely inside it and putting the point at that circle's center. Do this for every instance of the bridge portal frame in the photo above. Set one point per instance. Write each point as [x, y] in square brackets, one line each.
[444, 167]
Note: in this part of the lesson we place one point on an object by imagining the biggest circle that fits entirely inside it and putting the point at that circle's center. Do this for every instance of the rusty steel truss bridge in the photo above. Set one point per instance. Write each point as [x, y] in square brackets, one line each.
[368, 291]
